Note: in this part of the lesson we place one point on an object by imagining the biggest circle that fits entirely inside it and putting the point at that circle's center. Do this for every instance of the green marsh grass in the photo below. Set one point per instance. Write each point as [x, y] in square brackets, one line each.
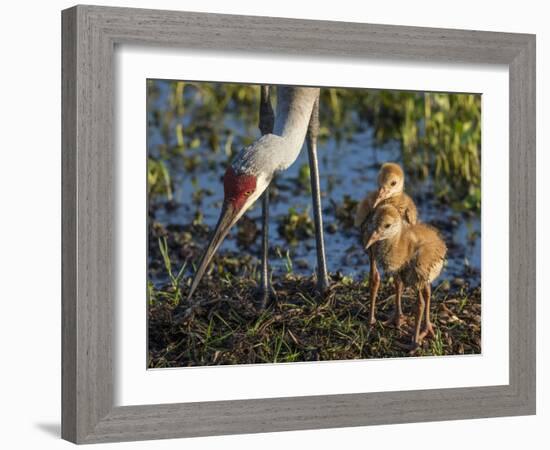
[440, 133]
[299, 325]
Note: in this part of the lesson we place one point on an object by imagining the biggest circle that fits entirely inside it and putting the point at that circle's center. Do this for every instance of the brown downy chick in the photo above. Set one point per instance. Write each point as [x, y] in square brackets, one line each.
[391, 181]
[415, 254]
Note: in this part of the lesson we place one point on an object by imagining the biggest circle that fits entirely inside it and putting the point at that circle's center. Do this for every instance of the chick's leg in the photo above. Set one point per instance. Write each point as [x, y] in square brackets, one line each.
[428, 327]
[397, 318]
[374, 281]
[417, 339]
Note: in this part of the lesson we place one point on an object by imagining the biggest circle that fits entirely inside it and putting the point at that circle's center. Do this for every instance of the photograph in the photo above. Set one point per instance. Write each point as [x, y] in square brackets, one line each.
[291, 224]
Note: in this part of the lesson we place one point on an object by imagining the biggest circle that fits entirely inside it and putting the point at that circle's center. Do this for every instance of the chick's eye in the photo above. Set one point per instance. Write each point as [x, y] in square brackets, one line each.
[393, 183]
[387, 225]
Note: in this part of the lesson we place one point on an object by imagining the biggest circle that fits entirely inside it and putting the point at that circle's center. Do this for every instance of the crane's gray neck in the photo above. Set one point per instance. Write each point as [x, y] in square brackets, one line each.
[277, 151]
[294, 107]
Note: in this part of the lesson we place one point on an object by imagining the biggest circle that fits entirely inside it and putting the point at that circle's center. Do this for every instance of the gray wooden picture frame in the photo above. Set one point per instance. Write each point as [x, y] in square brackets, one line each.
[90, 34]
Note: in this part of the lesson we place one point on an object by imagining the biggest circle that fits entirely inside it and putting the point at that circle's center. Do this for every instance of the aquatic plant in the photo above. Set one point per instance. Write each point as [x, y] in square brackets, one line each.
[295, 226]
[175, 278]
[159, 181]
[440, 133]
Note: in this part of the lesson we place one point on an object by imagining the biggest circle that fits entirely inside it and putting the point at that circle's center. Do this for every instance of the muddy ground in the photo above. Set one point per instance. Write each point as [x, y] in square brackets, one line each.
[299, 325]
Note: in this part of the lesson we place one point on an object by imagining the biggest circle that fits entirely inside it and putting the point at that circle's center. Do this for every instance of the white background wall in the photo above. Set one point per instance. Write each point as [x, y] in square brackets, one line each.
[30, 221]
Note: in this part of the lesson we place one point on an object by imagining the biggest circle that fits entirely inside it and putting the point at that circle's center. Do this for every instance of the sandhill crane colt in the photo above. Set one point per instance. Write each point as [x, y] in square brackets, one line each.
[252, 170]
[414, 254]
[391, 182]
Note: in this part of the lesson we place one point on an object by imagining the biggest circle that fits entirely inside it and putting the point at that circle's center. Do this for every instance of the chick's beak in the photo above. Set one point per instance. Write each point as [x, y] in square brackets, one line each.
[227, 218]
[382, 195]
[374, 237]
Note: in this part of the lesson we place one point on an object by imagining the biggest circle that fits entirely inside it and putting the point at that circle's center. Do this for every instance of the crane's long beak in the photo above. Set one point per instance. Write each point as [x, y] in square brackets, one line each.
[382, 195]
[374, 237]
[227, 218]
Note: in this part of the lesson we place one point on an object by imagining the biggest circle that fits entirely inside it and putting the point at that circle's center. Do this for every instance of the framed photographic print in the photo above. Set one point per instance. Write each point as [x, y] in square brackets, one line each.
[278, 224]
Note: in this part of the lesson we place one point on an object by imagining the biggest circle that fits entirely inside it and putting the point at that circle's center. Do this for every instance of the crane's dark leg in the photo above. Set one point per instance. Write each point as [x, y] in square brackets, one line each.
[312, 134]
[267, 119]
[265, 285]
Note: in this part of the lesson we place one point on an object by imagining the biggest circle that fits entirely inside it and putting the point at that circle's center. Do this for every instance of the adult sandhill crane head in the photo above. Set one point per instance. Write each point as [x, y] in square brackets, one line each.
[243, 183]
[391, 181]
[252, 170]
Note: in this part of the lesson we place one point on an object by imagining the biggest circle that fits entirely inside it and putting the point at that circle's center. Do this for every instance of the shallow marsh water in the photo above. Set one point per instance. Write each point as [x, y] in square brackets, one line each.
[348, 169]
